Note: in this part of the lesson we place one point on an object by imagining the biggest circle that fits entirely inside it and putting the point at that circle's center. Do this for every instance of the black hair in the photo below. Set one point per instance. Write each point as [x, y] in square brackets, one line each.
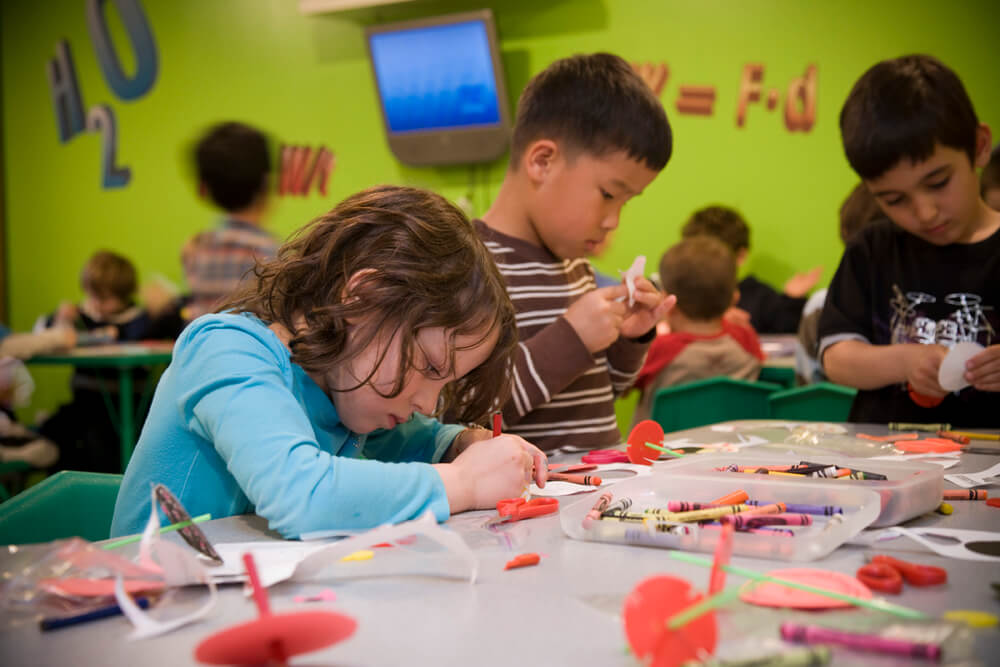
[902, 109]
[595, 104]
[233, 163]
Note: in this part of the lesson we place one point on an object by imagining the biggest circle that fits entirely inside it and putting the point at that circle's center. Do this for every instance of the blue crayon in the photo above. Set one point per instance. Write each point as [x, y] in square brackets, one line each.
[92, 615]
[820, 510]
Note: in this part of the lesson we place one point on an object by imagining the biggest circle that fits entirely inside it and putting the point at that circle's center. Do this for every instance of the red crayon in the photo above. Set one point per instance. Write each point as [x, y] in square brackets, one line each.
[523, 560]
[497, 421]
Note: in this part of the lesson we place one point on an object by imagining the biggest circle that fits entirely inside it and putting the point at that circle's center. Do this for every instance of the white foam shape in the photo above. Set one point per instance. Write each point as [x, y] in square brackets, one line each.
[951, 373]
[426, 525]
[554, 489]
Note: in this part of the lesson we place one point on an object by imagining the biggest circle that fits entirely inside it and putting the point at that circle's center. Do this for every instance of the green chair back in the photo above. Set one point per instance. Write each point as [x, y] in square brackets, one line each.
[710, 401]
[824, 401]
[780, 375]
[67, 504]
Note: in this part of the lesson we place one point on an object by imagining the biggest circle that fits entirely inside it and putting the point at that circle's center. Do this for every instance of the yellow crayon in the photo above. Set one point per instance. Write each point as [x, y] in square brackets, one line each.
[707, 514]
[771, 472]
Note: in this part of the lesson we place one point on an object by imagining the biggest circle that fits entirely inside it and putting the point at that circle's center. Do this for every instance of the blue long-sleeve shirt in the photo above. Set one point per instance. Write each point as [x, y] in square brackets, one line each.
[236, 427]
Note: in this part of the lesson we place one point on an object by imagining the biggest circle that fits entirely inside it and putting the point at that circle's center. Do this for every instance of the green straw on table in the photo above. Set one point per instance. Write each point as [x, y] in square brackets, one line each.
[878, 605]
[166, 529]
[685, 616]
[664, 450]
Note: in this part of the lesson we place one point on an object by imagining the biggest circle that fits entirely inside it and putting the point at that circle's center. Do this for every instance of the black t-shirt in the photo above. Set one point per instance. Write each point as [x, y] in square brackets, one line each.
[771, 311]
[893, 287]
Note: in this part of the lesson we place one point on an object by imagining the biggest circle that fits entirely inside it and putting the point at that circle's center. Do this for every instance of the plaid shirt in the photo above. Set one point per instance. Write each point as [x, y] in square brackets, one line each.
[215, 262]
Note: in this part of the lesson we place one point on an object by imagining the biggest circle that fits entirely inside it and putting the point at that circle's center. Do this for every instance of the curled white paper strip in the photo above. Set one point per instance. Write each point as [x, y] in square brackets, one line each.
[635, 271]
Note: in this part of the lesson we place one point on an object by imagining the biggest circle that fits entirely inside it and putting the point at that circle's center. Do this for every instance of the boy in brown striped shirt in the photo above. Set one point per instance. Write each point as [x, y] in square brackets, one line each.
[589, 136]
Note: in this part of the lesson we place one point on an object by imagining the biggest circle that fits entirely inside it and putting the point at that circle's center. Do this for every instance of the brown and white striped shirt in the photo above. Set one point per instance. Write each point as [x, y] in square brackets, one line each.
[562, 394]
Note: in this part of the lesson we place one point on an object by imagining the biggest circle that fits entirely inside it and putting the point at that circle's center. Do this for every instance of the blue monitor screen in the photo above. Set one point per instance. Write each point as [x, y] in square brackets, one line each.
[436, 77]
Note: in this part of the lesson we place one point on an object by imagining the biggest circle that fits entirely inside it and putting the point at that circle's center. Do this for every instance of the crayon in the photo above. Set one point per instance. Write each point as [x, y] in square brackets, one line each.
[821, 510]
[732, 498]
[861, 474]
[975, 436]
[497, 422]
[765, 471]
[57, 622]
[621, 505]
[595, 512]
[957, 437]
[583, 480]
[964, 494]
[811, 634]
[905, 426]
[708, 514]
[776, 520]
[628, 517]
[687, 506]
[758, 510]
[775, 532]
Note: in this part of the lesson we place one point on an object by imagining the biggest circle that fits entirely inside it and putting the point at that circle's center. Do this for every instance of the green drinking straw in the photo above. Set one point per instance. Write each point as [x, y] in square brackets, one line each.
[878, 605]
[685, 616]
[664, 450]
[166, 529]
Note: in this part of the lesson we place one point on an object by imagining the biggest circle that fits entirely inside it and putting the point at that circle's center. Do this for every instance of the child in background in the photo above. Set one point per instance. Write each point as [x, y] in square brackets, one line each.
[760, 305]
[16, 442]
[912, 286]
[701, 272]
[989, 181]
[234, 165]
[859, 209]
[82, 428]
[589, 135]
[307, 401]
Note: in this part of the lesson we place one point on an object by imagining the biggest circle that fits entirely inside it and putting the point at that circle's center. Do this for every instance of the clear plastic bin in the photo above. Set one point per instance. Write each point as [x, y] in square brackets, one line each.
[913, 487]
[861, 506]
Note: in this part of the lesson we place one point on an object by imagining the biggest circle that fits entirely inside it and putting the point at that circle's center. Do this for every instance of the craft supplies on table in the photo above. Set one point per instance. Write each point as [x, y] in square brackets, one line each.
[912, 488]
[632, 498]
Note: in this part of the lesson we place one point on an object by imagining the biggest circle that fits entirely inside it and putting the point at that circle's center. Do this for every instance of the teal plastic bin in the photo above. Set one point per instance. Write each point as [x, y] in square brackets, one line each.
[67, 504]
[711, 401]
[824, 401]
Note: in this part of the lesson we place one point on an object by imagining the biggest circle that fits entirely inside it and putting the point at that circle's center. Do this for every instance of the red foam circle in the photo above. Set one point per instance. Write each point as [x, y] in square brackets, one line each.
[648, 608]
[643, 432]
[275, 636]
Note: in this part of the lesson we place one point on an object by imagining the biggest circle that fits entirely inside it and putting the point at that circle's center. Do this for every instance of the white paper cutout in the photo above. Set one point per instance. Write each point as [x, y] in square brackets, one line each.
[951, 373]
[922, 535]
[178, 566]
[968, 480]
[635, 271]
[944, 459]
[553, 489]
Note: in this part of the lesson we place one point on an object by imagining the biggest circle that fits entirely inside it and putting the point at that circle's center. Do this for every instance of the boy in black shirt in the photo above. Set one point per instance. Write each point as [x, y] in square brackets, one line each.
[908, 290]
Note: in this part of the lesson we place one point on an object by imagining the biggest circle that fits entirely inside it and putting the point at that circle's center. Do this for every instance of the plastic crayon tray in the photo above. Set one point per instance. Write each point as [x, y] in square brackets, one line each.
[912, 488]
[860, 507]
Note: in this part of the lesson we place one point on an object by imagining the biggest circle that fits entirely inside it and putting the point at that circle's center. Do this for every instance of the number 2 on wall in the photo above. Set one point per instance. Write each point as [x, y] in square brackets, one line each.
[100, 118]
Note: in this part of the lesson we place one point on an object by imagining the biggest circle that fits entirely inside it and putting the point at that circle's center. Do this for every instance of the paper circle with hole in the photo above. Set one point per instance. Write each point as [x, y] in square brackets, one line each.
[770, 594]
[951, 374]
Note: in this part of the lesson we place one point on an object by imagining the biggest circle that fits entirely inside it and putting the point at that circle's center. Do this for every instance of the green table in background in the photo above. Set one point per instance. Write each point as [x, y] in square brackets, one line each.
[125, 357]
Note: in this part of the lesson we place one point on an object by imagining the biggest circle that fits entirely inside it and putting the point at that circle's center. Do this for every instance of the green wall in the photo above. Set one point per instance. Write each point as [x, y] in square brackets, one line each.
[306, 79]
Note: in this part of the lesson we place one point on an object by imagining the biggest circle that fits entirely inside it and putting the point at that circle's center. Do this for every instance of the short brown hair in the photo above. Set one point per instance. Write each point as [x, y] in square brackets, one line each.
[425, 267]
[723, 223]
[594, 104]
[857, 211]
[701, 272]
[109, 274]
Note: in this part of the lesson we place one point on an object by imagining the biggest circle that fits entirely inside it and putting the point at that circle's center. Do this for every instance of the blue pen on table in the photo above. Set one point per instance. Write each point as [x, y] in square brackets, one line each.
[57, 622]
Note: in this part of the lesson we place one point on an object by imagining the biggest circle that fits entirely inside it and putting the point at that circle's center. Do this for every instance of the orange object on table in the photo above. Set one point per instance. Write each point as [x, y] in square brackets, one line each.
[515, 509]
[522, 560]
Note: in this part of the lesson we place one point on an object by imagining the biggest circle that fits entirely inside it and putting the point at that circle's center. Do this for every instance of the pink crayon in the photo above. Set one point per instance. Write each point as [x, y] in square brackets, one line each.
[595, 513]
[811, 634]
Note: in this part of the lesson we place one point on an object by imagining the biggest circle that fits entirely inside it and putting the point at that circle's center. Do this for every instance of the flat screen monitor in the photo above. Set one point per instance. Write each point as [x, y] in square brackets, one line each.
[440, 87]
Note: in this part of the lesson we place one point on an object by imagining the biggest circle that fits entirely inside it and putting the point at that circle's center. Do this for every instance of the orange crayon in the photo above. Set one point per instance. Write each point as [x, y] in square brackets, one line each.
[964, 494]
[734, 498]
